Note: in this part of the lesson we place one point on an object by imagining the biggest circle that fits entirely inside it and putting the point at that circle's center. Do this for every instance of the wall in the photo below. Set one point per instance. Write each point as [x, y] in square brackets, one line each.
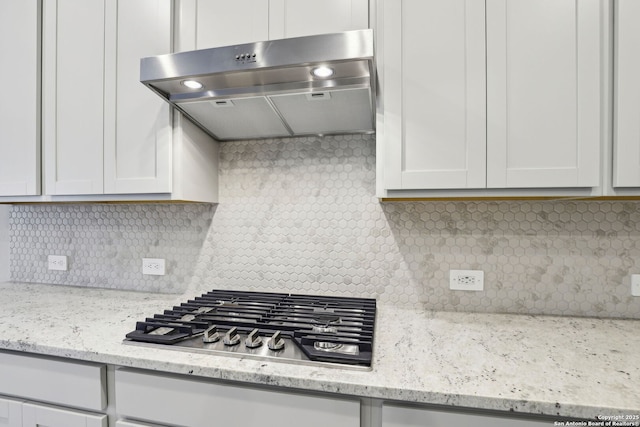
[300, 215]
[4, 242]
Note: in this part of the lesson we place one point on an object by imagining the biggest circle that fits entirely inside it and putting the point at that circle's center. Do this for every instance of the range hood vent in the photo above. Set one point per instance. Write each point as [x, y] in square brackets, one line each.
[290, 87]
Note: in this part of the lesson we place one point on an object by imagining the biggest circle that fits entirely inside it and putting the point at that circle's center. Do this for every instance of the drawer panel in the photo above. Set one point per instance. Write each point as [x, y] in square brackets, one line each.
[125, 423]
[76, 384]
[406, 416]
[41, 416]
[10, 413]
[196, 402]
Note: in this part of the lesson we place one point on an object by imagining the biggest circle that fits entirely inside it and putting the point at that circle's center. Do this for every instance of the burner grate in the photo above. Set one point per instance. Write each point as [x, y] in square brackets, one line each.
[326, 329]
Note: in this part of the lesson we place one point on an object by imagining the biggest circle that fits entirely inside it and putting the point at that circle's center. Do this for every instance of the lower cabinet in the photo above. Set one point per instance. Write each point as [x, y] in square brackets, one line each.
[195, 402]
[34, 415]
[406, 416]
[57, 381]
[10, 413]
[14, 413]
[39, 391]
[121, 423]
[70, 390]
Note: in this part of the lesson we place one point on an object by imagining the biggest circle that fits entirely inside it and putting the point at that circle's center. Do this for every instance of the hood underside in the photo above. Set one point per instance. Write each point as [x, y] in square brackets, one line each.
[270, 89]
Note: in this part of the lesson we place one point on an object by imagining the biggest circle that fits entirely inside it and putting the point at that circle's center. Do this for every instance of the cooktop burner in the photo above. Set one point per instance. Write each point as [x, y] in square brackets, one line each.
[303, 329]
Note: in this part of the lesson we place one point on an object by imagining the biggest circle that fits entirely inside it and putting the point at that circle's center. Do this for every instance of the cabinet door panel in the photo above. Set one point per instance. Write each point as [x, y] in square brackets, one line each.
[137, 156]
[223, 23]
[20, 102]
[73, 96]
[543, 93]
[398, 416]
[627, 95]
[296, 18]
[10, 413]
[434, 94]
[45, 416]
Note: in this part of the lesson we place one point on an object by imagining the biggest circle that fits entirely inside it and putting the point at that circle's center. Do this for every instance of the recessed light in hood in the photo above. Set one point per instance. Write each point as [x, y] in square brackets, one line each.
[192, 84]
[271, 89]
[323, 71]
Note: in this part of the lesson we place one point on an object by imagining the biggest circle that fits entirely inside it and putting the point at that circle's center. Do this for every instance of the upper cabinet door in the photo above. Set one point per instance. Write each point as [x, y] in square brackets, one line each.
[626, 171]
[137, 155]
[20, 101]
[213, 23]
[433, 88]
[73, 96]
[295, 18]
[543, 93]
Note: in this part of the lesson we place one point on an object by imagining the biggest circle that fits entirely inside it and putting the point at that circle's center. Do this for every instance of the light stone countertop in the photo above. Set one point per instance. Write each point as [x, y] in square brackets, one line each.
[574, 367]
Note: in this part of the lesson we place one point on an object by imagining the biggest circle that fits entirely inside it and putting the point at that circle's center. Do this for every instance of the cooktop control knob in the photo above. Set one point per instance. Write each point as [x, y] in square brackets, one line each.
[275, 343]
[231, 337]
[253, 339]
[211, 334]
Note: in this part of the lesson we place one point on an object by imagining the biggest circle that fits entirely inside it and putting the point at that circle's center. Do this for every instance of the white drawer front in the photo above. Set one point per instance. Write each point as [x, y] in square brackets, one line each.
[194, 402]
[10, 413]
[124, 423]
[41, 416]
[76, 384]
[403, 416]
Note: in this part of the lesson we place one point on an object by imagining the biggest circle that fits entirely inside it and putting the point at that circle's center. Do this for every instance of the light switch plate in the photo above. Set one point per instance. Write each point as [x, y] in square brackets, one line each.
[635, 285]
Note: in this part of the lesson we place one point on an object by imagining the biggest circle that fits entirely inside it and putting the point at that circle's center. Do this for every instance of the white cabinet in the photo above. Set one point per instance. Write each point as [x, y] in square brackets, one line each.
[193, 402]
[223, 23]
[15, 413]
[104, 133]
[124, 423]
[73, 96]
[543, 93]
[137, 138]
[20, 101]
[39, 415]
[403, 416]
[521, 112]
[296, 18]
[10, 413]
[626, 156]
[56, 382]
[431, 58]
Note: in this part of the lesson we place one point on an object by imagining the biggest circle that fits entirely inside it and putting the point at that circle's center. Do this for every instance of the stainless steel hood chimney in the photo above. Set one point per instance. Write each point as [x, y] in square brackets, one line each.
[312, 85]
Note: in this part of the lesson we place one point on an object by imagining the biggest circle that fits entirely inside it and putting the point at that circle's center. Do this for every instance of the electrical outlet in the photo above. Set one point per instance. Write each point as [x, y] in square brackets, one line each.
[57, 262]
[466, 280]
[635, 285]
[153, 266]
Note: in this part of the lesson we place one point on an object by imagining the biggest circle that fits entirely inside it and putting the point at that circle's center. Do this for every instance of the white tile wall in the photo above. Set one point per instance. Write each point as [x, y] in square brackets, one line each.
[4, 242]
[300, 215]
[105, 244]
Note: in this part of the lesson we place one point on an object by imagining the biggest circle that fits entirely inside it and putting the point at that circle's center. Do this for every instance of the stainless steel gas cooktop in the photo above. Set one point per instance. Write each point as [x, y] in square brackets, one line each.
[304, 329]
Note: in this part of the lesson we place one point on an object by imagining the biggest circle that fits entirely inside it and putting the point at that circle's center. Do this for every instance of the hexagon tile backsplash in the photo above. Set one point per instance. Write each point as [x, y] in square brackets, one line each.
[300, 215]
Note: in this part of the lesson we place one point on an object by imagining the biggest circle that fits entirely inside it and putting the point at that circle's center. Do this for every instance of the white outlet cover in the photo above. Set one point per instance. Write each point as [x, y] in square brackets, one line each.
[635, 285]
[153, 266]
[466, 280]
[57, 262]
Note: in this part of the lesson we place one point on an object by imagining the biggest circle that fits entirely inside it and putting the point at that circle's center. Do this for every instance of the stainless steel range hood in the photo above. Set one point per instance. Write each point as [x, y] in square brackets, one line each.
[274, 88]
